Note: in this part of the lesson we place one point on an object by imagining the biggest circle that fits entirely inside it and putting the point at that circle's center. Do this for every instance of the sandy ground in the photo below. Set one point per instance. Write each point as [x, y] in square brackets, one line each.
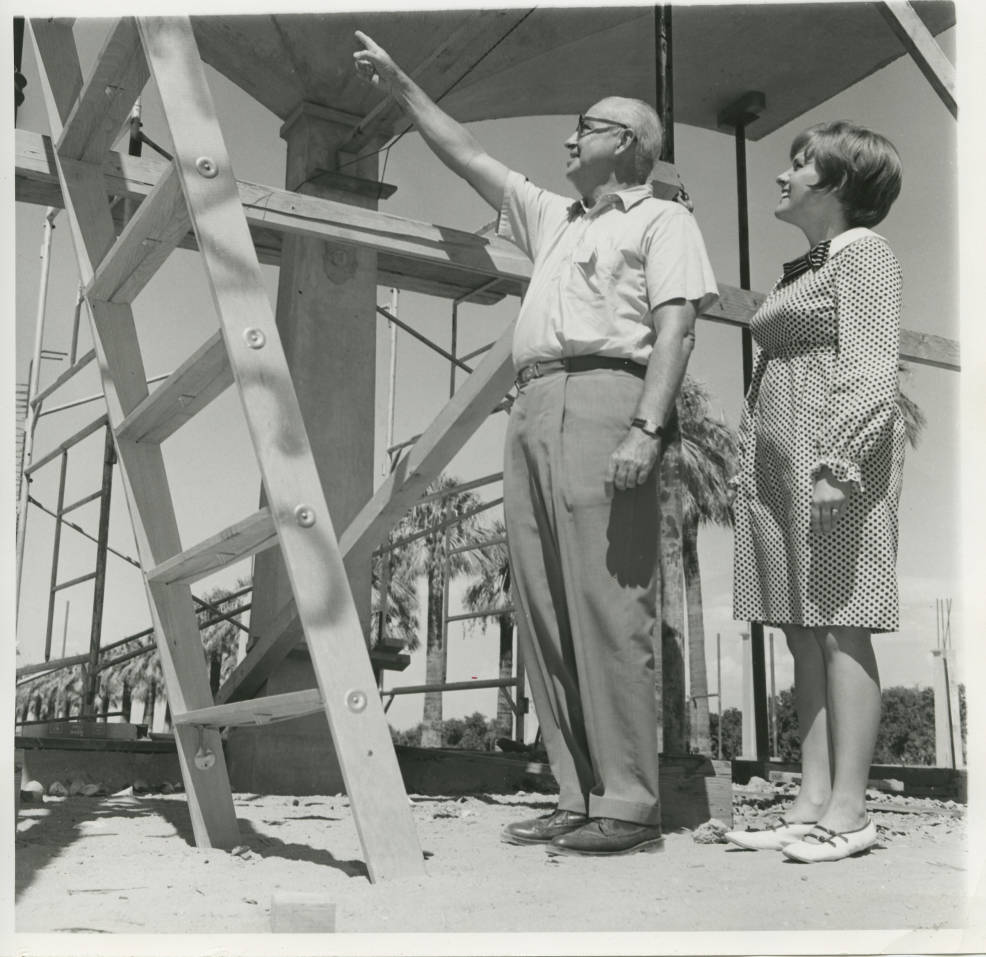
[126, 864]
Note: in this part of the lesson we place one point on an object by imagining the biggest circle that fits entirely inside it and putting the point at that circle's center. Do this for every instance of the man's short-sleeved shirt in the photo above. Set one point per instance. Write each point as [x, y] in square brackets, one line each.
[598, 273]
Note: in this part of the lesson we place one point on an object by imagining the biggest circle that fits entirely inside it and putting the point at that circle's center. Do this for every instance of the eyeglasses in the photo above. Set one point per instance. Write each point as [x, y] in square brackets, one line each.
[583, 129]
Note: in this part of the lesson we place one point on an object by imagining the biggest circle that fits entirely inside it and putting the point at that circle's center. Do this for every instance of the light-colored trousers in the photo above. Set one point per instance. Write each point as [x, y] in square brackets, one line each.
[586, 571]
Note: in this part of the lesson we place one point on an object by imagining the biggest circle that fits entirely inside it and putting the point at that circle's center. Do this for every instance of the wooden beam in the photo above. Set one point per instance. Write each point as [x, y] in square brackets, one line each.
[62, 78]
[277, 707]
[64, 377]
[156, 228]
[225, 548]
[924, 50]
[189, 389]
[107, 97]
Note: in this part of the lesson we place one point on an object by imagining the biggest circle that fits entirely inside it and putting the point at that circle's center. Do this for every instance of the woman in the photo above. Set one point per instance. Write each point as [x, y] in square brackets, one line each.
[821, 456]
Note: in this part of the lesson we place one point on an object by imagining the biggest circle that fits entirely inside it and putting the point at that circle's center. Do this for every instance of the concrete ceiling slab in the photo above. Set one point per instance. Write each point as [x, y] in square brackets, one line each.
[555, 60]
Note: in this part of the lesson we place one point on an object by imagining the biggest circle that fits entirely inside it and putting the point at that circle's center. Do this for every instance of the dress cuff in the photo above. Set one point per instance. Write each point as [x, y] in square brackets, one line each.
[841, 469]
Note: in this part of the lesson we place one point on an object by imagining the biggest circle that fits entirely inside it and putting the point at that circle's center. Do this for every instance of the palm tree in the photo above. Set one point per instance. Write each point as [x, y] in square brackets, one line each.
[220, 640]
[914, 419]
[394, 582]
[708, 455]
[670, 690]
[435, 556]
[491, 592]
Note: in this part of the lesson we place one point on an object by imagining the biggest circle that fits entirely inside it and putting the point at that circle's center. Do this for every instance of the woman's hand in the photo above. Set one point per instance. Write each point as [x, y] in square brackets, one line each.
[828, 501]
[373, 63]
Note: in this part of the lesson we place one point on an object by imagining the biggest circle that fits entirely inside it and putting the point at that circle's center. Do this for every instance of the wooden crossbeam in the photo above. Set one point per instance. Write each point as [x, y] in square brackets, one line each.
[924, 50]
[156, 228]
[192, 386]
[225, 548]
[277, 707]
[64, 377]
[407, 247]
[107, 97]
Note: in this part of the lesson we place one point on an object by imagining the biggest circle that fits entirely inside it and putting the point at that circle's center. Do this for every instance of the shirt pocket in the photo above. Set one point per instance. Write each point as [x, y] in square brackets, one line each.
[598, 263]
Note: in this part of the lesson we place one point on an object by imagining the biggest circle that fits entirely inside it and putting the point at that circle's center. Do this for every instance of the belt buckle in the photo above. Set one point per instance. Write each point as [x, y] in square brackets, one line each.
[532, 371]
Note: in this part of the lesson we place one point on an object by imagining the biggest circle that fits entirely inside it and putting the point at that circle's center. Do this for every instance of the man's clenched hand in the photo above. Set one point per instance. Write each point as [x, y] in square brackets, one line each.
[632, 461]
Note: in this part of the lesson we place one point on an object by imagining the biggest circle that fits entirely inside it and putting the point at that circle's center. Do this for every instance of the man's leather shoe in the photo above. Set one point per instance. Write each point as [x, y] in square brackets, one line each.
[541, 830]
[606, 837]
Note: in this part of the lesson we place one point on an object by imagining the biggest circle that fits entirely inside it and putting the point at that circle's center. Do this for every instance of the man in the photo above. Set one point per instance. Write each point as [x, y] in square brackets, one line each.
[600, 348]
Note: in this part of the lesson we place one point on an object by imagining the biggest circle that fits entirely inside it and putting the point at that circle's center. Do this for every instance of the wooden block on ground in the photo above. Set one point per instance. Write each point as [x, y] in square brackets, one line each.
[299, 913]
[694, 789]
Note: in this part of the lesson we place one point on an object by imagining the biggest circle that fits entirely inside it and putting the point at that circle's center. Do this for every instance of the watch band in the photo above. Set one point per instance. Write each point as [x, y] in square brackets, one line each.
[651, 429]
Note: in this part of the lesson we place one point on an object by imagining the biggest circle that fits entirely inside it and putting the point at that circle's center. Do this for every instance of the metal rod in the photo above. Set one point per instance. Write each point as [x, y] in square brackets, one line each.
[478, 352]
[441, 526]
[68, 605]
[75, 581]
[76, 322]
[392, 398]
[99, 585]
[485, 613]
[34, 380]
[84, 533]
[502, 540]
[461, 487]
[455, 346]
[454, 686]
[54, 560]
[69, 373]
[95, 398]
[71, 441]
[424, 339]
[82, 501]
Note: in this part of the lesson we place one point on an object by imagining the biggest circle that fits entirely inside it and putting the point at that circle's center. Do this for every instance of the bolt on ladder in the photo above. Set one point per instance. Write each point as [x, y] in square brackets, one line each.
[198, 191]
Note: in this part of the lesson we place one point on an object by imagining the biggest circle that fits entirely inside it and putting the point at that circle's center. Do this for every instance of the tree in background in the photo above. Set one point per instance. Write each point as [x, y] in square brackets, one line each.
[732, 733]
[435, 555]
[473, 733]
[707, 461]
[491, 592]
[394, 579]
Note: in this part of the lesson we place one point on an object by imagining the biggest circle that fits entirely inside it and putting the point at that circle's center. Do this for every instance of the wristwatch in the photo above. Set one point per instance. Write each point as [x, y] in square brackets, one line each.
[650, 428]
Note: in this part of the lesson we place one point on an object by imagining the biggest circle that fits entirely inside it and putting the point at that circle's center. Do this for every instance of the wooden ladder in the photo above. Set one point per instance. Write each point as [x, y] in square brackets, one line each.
[198, 191]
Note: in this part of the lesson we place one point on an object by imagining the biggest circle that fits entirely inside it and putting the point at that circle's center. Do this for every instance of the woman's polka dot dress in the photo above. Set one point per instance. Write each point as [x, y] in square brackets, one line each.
[824, 392]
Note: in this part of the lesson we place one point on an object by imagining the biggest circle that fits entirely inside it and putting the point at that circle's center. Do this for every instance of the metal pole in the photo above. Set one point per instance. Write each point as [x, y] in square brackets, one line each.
[773, 702]
[65, 628]
[455, 345]
[31, 419]
[736, 116]
[99, 585]
[394, 297]
[719, 689]
[54, 557]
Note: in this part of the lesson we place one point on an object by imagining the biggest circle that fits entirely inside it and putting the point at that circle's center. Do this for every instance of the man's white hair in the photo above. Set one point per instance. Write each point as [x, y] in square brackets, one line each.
[642, 118]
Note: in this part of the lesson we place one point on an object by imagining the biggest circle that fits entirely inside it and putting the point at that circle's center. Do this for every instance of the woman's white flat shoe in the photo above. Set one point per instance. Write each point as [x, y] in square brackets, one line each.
[822, 844]
[772, 838]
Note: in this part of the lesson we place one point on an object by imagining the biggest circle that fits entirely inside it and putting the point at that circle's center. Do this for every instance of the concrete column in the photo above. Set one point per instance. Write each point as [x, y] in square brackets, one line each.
[325, 313]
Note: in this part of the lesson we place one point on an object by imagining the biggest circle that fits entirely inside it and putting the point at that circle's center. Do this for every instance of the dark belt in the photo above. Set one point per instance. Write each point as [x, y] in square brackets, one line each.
[577, 364]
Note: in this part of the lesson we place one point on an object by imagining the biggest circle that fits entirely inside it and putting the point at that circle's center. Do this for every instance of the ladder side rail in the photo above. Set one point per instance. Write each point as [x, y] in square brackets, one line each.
[291, 481]
[143, 477]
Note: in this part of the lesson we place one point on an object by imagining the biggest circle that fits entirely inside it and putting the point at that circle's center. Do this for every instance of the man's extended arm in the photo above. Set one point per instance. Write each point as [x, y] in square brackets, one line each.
[451, 142]
[637, 454]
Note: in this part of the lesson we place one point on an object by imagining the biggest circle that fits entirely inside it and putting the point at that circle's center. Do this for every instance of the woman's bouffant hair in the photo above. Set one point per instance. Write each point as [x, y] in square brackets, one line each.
[862, 167]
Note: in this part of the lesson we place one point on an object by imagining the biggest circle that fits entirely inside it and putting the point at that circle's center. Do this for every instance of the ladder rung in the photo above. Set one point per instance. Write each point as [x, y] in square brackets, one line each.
[64, 377]
[107, 97]
[74, 581]
[276, 707]
[157, 226]
[191, 387]
[229, 546]
[72, 440]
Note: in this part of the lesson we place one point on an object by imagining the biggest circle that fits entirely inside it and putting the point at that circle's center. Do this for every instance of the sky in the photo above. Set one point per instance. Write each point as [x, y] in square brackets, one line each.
[174, 315]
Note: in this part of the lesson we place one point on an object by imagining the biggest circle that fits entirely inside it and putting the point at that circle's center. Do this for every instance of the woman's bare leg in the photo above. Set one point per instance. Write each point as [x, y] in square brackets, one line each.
[810, 700]
[854, 699]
